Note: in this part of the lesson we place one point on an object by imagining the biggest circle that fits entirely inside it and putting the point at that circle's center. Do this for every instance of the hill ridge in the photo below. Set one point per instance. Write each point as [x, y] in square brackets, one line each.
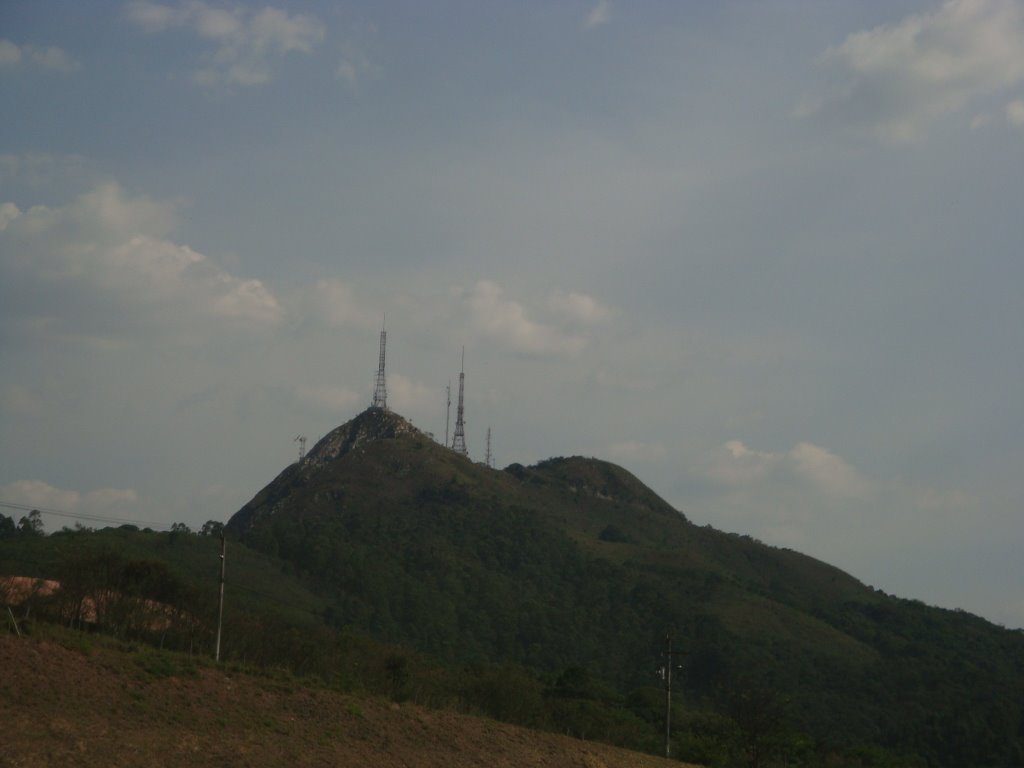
[575, 561]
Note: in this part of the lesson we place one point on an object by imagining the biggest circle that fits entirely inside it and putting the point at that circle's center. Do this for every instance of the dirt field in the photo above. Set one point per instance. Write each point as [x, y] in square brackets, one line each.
[91, 707]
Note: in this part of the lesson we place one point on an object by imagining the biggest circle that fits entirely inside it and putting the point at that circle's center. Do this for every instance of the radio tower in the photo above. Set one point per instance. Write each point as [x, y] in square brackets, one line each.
[380, 391]
[488, 458]
[301, 440]
[459, 441]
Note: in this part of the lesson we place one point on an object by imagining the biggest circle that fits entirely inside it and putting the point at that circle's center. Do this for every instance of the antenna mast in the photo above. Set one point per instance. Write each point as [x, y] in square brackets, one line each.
[301, 440]
[380, 391]
[459, 441]
[488, 458]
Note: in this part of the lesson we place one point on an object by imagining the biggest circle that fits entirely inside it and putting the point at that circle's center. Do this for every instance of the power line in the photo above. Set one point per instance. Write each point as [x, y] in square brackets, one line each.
[80, 516]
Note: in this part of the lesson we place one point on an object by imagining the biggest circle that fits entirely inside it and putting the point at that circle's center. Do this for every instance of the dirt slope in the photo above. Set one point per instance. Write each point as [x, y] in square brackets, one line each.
[107, 707]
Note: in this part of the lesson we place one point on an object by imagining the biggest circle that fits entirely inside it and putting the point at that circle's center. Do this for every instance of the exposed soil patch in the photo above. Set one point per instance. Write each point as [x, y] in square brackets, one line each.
[100, 706]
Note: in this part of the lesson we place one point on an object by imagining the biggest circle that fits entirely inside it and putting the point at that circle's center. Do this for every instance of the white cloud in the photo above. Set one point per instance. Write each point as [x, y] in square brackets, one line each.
[1015, 112]
[498, 319]
[37, 169]
[578, 307]
[104, 261]
[407, 395]
[154, 17]
[50, 58]
[735, 465]
[981, 121]
[41, 495]
[8, 213]
[246, 43]
[898, 78]
[10, 54]
[355, 63]
[333, 399]
[830, 473]
[336, 304]
[599, 15]
[636, 450]
[347, 71]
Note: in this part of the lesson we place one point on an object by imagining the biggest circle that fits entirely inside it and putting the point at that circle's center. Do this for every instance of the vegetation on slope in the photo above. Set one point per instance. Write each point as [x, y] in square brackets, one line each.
[74, 700]
[543, 595]
[573, 563]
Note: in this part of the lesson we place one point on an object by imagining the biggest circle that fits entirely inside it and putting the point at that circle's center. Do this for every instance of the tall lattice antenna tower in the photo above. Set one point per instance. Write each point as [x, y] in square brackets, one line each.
[488, 457]
[301, 440]
[380, 391]
[459, 441]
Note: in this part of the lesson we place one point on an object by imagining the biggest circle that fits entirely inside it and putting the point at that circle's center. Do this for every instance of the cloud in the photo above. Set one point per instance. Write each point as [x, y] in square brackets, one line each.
[334, 302]
[8, 213]
[898, 78]
[48, 59]
[1015, 113]
[599, 15]
[830, 473]
[405, 394]
[355, 64]
[808, 465]
[104, 263]
[980, 121]
[498, 319]
[333, 399]
[38, 169]
[40, 495]
[635, 450]
[577, 307]
[245, 43]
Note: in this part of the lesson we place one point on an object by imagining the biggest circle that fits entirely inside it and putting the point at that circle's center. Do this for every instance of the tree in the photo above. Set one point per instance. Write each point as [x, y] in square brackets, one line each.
[760, 714]
[7, 527]
[211, 528]
[31, 524]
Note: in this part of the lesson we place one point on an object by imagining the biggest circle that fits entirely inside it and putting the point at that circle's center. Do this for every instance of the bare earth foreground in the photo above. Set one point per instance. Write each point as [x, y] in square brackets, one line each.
[105, 707]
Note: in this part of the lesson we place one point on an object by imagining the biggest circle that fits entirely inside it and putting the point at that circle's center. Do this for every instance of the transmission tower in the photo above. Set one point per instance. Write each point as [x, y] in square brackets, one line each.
[301, 440]
[488, 457]
[380, 391]
[459, 441]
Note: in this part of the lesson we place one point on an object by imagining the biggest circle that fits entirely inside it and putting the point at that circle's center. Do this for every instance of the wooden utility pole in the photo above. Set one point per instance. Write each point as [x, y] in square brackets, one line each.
[220, 606]
[667, 671]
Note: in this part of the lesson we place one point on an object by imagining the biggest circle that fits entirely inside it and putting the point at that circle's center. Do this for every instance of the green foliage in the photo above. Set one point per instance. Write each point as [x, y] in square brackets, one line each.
[542, 595]
[31, 524]
[212, 528]
[574, 560]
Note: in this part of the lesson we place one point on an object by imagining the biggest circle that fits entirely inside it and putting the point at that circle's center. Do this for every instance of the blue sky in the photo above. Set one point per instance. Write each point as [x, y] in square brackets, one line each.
[765, 255]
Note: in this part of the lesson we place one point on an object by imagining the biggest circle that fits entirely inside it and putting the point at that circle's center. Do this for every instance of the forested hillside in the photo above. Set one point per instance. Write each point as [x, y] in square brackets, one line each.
[543, 596]
[574, 564]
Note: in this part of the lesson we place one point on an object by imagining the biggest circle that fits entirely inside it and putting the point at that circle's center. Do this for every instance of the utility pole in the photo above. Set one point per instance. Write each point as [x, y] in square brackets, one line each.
[667, 674]
[220, 605]
[448, 415]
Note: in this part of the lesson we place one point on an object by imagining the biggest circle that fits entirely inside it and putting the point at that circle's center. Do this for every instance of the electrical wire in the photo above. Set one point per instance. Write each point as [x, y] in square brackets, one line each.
[82, 516]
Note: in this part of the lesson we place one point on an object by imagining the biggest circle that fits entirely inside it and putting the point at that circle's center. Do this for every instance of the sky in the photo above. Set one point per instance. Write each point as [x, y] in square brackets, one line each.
[765, 254]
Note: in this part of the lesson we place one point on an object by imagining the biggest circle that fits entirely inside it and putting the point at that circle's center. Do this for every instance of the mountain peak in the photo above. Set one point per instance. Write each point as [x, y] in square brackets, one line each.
[372, 424]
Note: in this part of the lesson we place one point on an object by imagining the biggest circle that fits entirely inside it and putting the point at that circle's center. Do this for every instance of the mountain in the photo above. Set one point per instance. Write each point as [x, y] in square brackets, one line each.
[573, 566]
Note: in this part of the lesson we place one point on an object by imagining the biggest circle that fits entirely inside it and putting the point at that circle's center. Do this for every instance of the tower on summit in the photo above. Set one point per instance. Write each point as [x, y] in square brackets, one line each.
[380, 390]
[459, 441]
